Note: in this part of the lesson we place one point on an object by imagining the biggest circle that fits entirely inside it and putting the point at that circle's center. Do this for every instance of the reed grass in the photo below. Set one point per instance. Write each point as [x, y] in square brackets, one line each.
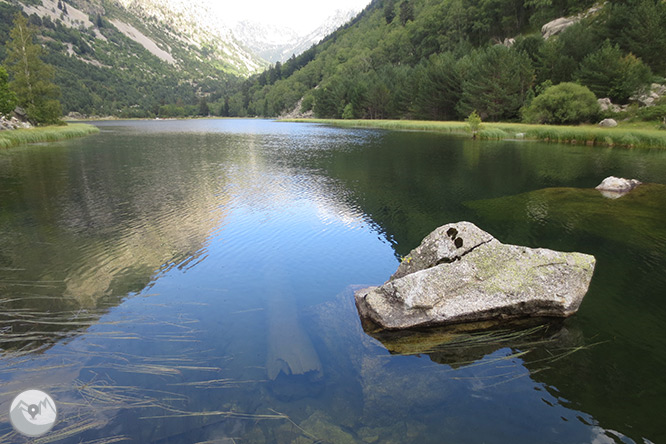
[10, 138]
[628, 137]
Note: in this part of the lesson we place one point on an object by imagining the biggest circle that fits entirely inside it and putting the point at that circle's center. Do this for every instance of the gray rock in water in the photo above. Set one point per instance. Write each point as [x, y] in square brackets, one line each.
[614, 187]
[460, 273]
[608, 123]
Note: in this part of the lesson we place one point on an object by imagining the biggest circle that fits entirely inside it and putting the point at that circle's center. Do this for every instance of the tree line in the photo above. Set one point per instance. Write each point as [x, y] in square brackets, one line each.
[425, 59]
[443, 59]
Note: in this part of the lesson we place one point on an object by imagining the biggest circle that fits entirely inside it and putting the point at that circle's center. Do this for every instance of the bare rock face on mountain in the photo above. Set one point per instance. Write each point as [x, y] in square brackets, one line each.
[557, 26]
[560, 24]
[460, 273]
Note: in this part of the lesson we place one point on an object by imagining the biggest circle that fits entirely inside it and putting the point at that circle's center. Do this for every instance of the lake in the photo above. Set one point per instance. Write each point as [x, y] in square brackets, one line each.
[192, 281]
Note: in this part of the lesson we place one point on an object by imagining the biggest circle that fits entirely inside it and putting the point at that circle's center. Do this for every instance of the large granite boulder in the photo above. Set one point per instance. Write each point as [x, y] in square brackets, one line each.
[460, 273]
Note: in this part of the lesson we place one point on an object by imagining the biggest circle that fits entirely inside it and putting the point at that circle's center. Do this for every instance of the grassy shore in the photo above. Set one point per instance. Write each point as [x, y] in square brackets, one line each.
[630, 137]
[12, 138]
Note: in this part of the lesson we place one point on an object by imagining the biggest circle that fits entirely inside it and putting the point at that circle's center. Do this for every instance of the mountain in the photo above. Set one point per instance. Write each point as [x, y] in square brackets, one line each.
[134, 58]
[444, 59]
[267, 41]
[192, 25]
[278, 43]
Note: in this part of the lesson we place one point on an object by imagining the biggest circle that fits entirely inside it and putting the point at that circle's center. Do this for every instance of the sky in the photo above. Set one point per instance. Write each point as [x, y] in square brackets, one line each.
[299, 15]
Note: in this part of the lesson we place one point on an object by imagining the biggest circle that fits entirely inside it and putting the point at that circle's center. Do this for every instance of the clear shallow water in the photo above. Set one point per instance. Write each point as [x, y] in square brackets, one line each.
[163, 279]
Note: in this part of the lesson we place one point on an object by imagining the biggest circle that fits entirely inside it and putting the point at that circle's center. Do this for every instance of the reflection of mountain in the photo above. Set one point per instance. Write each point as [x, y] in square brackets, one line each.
[83, 228]
[75, 245]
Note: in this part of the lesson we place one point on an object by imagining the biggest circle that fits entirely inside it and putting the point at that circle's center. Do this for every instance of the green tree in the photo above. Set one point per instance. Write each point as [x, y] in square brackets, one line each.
[558, 58]
[348, 111]
[204, 109]
[406, 12]
[7, 96]
[439, 88]
[389, 10]
[473, 124]
[610, 73]
[639, 27]
[496, 82]
[566, 103]
[31, 78]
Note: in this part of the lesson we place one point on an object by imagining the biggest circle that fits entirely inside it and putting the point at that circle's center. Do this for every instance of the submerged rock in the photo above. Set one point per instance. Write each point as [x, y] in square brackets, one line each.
[614, 187]
[460, 273]
[634, 221]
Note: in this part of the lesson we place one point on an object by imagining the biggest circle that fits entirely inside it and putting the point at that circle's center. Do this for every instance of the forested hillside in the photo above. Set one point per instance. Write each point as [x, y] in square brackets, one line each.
[132, 59]
[442, 59]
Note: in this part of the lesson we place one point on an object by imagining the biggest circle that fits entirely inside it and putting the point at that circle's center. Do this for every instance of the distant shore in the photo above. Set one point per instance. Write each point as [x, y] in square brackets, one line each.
[17, 137]
[629, 137]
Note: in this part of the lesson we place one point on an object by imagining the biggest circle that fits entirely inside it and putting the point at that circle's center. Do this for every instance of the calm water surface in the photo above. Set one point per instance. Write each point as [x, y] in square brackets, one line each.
[192, 281]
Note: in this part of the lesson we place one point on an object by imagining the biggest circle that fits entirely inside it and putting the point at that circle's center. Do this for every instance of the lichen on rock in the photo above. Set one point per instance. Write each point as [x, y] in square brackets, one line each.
[480, 280]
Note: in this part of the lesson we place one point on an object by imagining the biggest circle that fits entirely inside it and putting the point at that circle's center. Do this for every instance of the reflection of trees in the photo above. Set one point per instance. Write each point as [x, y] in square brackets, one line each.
[409, 184]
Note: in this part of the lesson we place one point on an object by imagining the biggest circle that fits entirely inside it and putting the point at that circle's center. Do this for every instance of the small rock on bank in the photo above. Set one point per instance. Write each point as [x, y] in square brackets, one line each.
[460, 273]
[608, 123]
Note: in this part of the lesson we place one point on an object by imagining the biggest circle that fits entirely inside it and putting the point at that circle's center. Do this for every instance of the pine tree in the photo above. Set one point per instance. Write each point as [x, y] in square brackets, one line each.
[204, 109]
[31, 78]
[224, 110]
[495, 83]
[610, 73]
[389, 11]
[439, 88]
[406, 12]
[638, 26]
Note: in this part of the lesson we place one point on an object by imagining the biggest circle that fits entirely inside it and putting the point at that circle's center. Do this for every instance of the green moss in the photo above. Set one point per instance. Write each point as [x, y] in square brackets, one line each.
[634, 219]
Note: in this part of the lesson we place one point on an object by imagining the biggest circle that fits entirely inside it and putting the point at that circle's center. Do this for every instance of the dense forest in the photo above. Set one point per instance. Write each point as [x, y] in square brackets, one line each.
[443, 59]
[403, 59]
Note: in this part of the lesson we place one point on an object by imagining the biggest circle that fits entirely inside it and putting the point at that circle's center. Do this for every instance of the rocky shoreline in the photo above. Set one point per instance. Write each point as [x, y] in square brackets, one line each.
[13, 123]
